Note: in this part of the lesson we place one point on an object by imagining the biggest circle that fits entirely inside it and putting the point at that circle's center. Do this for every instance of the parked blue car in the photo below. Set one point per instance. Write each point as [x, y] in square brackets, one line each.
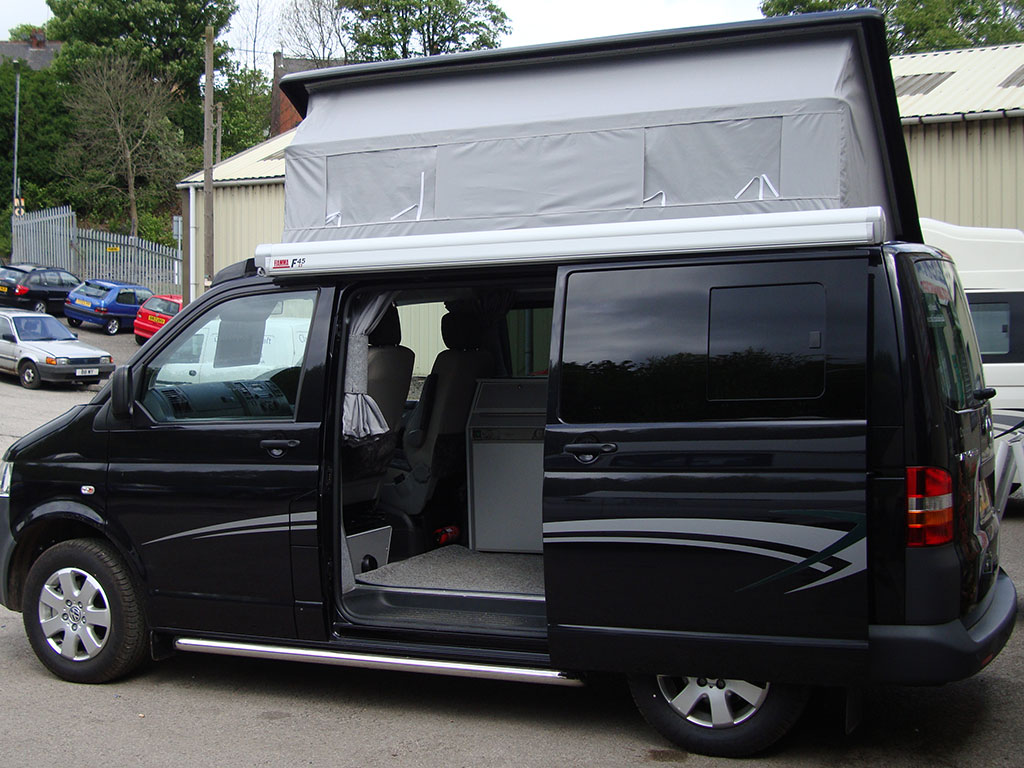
[108, 303]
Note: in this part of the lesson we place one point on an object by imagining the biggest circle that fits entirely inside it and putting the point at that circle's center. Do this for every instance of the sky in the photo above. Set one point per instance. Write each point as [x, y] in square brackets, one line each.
[533, 21]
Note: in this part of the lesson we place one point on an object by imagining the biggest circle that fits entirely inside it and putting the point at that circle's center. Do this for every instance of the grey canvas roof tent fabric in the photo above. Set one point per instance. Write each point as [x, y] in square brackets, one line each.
[775, 115]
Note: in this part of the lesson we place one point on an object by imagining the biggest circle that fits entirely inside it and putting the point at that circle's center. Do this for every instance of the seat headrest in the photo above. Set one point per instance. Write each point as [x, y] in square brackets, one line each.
[388, 332]
[462, 330]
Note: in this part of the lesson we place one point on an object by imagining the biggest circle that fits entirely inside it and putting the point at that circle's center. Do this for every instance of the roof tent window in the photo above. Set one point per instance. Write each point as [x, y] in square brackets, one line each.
[597, 170]
[383, 186]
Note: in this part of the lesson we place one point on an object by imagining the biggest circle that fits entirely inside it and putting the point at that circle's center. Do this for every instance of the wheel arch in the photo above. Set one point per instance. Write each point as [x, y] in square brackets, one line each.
[51, 524]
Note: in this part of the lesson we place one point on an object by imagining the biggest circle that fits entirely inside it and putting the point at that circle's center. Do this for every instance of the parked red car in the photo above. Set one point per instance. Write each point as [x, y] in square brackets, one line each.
[154, 314]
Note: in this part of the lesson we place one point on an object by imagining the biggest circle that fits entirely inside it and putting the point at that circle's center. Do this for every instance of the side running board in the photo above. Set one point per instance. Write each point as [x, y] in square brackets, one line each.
[373, 661]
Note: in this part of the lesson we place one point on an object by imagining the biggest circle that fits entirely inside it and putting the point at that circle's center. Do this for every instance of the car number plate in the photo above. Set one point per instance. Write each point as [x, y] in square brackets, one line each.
[157, 320]
[3, 289]
[87, 371]
[82, 302]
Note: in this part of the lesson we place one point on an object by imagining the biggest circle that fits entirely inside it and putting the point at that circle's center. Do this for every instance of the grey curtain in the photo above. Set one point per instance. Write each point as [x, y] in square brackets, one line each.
[361, 417]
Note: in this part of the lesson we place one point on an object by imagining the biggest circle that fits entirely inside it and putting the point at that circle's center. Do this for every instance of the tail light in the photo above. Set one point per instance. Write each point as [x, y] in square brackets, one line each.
[20, 290]
[100, 310]
[929, 507]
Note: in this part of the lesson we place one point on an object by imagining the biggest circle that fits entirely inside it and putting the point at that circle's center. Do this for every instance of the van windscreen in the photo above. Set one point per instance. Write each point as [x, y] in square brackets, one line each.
[954, 346]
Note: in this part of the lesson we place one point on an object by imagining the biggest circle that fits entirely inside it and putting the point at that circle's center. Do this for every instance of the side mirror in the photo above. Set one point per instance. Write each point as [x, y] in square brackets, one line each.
[121, 395]
[8, 337]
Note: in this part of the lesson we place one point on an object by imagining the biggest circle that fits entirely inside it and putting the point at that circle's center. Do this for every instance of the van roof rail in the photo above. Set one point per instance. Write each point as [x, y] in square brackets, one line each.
[236, 271]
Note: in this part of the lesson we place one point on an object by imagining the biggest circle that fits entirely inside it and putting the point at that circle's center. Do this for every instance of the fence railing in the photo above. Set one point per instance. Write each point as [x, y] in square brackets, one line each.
[52, 238]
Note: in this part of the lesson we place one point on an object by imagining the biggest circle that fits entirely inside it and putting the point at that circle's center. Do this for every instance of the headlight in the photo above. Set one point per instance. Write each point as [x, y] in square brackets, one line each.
[57, 361]
[106, 359]
[6, 469]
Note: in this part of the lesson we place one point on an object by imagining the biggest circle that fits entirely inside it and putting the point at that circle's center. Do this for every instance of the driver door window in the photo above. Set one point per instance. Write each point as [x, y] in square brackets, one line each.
[241, 360]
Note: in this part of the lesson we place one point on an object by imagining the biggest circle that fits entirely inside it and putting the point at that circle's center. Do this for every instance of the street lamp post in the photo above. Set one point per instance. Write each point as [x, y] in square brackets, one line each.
[17, 109]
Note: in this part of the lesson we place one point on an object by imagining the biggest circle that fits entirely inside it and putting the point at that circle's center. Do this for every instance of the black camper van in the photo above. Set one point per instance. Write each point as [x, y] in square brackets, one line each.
[730, 448]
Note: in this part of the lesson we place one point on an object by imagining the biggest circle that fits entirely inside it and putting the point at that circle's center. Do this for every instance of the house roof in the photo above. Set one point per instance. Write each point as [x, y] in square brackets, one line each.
[263, 163]
[35, 58]
[971, 83]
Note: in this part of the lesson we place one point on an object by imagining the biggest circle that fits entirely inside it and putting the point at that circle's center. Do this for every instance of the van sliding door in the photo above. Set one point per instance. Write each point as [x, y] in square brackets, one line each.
[705, 476]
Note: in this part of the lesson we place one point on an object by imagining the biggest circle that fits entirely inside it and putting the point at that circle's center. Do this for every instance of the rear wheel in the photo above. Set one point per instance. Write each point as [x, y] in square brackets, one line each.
[39, 306]
[140, 340]
[74, 322]
[82, 613]
[28, 373]
[718, 716]
[112, 326]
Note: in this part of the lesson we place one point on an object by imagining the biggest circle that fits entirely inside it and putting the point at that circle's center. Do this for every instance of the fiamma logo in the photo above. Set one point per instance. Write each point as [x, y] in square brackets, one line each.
[281, 263]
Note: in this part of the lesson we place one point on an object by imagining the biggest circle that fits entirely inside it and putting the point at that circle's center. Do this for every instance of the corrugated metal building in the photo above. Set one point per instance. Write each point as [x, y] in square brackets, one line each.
[963, 120]
[248, 204]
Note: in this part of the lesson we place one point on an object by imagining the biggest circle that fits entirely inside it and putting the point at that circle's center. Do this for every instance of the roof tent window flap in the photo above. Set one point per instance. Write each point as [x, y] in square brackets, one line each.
[811, 155]
[710, 162]
[558, 173]
[389, 185]
[304, 202]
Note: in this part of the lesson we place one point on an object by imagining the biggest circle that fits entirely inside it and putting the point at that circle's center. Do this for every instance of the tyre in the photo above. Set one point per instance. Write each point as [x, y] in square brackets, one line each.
[140, 340]
[112, 326]
[718, 717]
[74, 322]
[82, 612]
[39, 306]
[28, 373]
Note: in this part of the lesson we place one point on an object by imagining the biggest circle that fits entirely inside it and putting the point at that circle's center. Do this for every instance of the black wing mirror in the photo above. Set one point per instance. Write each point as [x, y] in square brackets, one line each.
[122, 397]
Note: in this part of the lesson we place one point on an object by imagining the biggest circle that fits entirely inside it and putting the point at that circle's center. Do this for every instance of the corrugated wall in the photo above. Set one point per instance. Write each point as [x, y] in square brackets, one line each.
[969, 172]
[243, 217]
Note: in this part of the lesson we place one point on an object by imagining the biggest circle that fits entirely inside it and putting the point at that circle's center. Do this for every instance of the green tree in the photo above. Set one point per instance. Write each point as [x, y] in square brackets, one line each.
[124, 140]
[913, 26]
[245, 100]
[45, 127]
[165, 37]
[399, 29]
[22, 31]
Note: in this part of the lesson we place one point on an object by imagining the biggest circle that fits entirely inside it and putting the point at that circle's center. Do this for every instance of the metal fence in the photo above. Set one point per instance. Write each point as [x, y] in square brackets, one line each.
[52, 238]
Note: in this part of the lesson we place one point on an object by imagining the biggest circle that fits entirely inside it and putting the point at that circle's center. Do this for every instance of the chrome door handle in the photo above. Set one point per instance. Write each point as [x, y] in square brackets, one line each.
[277, 448]
[587, 453]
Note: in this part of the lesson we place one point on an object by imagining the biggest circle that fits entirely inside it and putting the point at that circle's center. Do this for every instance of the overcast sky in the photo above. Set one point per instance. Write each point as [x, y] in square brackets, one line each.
[533, 21]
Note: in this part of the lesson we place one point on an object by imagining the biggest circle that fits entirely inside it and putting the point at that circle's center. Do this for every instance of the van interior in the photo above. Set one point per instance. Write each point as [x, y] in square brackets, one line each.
[441, 500]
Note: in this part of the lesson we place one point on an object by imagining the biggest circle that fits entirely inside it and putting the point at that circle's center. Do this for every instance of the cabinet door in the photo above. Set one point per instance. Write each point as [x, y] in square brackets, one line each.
[705, 469]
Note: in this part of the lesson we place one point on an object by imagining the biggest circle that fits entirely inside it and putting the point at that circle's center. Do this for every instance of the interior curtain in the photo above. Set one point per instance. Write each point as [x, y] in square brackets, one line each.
[361, 416]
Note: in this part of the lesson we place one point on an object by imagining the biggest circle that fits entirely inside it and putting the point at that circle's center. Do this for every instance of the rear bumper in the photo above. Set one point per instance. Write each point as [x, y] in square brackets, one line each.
[941, 653]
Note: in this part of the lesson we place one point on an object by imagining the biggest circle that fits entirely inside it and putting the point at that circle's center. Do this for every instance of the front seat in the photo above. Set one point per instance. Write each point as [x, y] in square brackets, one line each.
[435, 435]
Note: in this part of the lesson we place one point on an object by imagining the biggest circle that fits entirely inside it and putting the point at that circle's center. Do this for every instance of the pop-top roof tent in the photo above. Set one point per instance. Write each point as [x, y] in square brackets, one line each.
[776, 115]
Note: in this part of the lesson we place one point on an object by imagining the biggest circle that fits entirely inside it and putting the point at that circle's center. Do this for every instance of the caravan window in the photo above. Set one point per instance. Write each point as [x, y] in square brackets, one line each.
[992, 324]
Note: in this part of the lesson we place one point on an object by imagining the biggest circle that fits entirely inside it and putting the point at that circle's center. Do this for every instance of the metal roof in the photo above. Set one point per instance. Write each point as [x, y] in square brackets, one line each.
[261, 164]
[966, 84]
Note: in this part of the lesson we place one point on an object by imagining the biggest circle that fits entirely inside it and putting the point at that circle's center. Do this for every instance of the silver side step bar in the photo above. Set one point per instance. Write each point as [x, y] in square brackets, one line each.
[373, 661]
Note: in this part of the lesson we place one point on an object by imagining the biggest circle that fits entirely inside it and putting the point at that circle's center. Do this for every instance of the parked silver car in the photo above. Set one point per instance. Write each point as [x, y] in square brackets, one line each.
[37, 348]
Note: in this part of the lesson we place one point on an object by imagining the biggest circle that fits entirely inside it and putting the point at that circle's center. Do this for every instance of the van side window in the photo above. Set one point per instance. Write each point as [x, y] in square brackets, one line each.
[708, 342]
[241, 360]
[766, 341]
[992, 323]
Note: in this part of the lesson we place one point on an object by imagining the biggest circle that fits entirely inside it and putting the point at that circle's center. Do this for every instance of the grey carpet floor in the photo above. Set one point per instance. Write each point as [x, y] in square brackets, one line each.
[456, 568]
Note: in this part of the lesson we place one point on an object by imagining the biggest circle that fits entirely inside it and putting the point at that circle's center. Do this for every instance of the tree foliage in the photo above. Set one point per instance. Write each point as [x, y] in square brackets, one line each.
[399, 29]
[913, 26]
[165, 37]
[348, 31]
[245, 99]
[124, 139]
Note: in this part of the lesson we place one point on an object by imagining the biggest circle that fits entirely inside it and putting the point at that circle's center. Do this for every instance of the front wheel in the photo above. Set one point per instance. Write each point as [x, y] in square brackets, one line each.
[28, 373]
[112, 326]
[74, 322]
[82, 612]
[718, 716]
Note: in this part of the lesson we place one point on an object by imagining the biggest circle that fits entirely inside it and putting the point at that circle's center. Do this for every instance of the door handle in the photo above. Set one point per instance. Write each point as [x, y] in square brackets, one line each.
[276, 448]
[587, 453]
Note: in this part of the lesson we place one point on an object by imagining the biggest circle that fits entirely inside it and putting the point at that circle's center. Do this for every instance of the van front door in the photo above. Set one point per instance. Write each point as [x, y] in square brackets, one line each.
[221, 465]
[705, 475]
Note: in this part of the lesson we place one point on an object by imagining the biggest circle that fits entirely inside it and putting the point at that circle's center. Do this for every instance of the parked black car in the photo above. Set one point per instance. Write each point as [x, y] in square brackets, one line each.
[41, 289]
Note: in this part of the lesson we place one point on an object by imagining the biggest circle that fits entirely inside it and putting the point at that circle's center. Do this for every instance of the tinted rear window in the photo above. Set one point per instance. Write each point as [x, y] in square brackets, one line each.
[164, 306]
[954, 346]
[93, 291]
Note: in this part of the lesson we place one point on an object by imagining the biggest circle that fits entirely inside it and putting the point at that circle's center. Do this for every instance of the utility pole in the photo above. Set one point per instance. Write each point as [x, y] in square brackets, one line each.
[220, 122]
[208, 160]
